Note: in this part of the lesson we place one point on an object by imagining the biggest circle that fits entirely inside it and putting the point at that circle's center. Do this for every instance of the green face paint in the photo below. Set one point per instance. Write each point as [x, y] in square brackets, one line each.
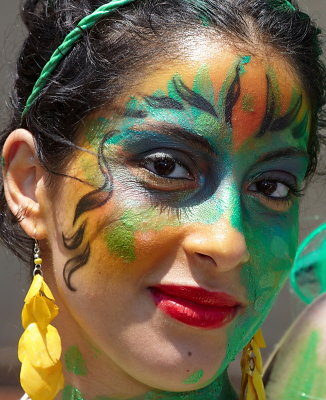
[72, 393]
[248, 103]
[75, 362]
[303, 374]
[195, 378]
[308, 372]
[94, 130]
[120, 237]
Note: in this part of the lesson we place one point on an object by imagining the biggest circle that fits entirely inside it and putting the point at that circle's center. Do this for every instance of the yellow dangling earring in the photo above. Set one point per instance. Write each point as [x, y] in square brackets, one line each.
[252, 386]
[39, 348]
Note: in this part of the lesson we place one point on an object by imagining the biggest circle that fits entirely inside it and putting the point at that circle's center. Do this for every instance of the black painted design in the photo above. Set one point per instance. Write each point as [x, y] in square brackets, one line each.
[95, 199]
[135, 114]
[73, 242]
[90, 201]
[232, 96]
[100, 196]
[163, 102]
[270, 109]
[284, 122]
[193, 98]
[73, 264]
[271, 121]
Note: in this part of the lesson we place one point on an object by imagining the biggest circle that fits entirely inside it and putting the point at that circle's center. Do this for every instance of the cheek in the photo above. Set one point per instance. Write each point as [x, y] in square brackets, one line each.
[272, 248]
[142, 239]
[131, 236]
[272, 245]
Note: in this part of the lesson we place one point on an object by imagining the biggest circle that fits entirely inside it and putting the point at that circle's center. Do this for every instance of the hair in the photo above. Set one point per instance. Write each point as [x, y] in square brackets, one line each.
[113, 55]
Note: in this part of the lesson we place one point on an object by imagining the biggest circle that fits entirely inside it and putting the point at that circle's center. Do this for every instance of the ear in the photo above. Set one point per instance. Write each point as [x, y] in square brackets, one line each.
[23, 178]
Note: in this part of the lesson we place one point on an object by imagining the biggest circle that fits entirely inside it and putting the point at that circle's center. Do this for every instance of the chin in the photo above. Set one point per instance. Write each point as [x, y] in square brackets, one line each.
[177, 366]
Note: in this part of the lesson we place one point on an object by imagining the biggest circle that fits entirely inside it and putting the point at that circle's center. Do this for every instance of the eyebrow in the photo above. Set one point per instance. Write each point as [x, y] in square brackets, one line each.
[288, 152]
[176, 130]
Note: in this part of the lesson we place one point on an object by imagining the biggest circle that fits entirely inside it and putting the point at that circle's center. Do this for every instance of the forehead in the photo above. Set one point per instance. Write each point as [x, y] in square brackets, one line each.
[219, 61]
[255, 90]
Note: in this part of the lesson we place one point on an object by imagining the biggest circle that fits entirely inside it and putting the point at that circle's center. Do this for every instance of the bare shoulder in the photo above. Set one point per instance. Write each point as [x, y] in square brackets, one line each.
[297, 368]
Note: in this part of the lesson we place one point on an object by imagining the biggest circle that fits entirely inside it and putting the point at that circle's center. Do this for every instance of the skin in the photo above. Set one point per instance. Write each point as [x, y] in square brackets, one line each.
[211, 225]
[297, 369]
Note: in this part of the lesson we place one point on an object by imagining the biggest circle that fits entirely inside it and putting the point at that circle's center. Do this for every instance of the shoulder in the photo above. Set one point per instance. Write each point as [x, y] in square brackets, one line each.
[298, 365]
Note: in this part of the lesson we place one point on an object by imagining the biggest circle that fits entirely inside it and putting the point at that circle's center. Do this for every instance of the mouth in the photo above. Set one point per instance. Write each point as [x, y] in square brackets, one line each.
[195, 306]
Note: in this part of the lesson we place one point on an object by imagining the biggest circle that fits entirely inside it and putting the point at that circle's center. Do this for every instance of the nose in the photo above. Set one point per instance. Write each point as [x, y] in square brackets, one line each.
[219, 243]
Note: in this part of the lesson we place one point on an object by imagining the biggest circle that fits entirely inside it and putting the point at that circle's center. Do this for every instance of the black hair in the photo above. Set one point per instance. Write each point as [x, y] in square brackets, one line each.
[114, 54]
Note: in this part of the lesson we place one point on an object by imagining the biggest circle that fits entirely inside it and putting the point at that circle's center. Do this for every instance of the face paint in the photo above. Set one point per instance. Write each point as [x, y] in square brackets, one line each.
[72, 393]
[74, 361]
[303, 372]
[213, 154]
[120, 238]
[248, 103]
[195, 378]
[308, 372]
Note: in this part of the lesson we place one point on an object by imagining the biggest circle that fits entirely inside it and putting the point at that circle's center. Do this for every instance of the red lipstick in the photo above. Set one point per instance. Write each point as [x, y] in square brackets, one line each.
[195, 306]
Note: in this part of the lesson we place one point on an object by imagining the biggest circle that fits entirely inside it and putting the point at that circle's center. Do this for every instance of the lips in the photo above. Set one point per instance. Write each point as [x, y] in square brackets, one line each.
[195, 306]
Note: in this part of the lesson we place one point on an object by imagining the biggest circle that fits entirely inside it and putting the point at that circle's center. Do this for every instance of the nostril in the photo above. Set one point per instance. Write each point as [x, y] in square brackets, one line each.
[205, 258]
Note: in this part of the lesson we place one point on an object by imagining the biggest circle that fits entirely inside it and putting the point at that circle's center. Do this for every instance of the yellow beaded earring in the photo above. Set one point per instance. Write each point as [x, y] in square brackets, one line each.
[39, 348]
[252, 386]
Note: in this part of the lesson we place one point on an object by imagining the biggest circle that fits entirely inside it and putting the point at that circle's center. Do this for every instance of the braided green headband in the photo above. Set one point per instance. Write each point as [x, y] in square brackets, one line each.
[68, 44]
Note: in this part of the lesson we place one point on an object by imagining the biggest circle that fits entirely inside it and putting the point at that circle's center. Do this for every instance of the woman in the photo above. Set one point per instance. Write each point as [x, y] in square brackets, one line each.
[156, 170]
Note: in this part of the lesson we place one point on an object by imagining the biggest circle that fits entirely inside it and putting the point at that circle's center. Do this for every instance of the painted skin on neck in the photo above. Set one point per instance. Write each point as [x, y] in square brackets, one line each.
[231, 132]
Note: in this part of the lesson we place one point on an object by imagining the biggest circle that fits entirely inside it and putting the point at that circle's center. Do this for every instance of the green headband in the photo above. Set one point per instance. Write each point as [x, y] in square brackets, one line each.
[68, 44]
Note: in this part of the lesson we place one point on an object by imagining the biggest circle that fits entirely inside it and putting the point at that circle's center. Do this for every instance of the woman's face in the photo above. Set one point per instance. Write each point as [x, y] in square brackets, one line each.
[192, 233]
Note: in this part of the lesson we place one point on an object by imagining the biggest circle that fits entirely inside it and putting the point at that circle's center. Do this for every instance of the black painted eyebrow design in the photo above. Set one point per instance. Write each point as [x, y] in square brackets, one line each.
[163, 102]
[272, 122]
[176, 130]
[288, 152]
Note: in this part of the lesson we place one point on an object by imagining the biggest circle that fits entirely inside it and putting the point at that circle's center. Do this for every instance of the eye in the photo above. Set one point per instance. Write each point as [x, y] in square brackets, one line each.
[271, 188]
[166, 166]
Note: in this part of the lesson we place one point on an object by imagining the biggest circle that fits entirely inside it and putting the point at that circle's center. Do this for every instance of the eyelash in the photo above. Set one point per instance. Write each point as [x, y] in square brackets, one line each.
[178, 171]
[285, 202]
[190, 183]
[164, 158]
